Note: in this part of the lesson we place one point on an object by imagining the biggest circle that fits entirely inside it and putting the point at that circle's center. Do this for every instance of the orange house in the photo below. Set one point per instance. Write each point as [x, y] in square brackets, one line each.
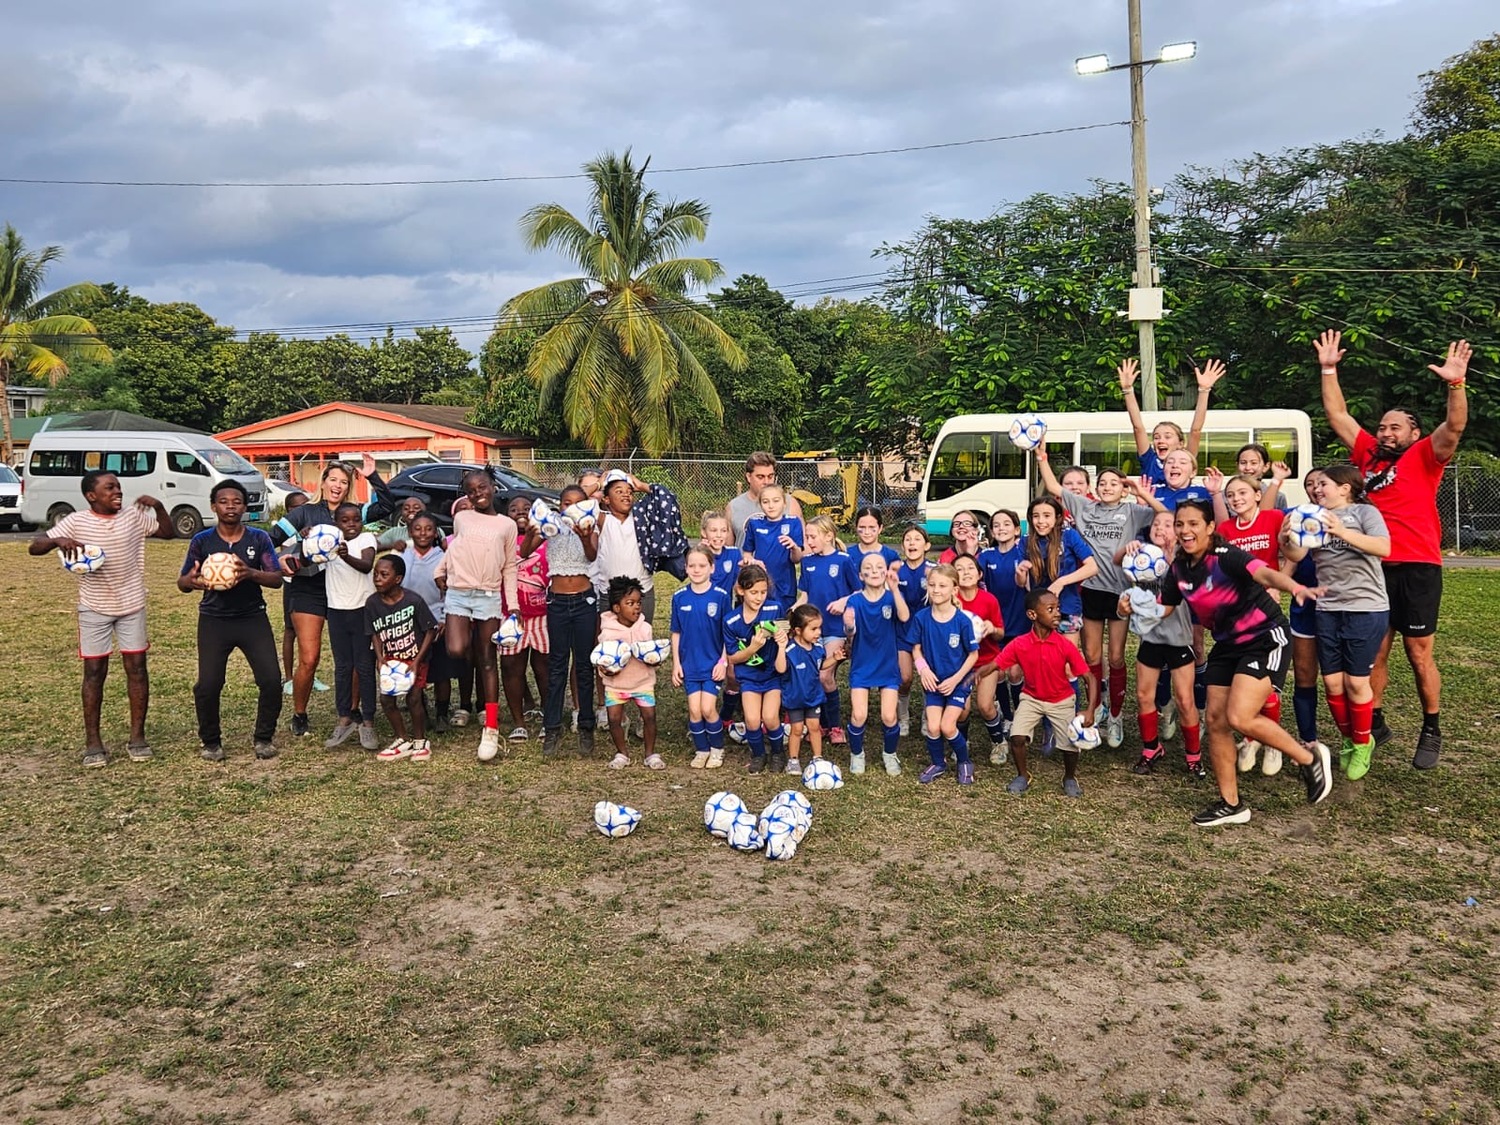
[296, 447]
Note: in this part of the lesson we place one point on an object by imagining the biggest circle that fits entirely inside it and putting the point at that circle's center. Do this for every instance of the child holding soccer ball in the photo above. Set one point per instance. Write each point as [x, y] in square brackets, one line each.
[944, 652]
[751, 634]
[349, 587]
[636, 681]
[699, 610]
[801, 663]
[402, 627]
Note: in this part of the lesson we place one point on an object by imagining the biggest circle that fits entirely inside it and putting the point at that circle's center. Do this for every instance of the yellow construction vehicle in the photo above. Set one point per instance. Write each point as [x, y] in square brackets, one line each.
[837, 495]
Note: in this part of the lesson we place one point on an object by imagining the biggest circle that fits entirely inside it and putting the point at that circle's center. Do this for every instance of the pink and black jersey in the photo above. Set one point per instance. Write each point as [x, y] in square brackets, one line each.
[1223, 594]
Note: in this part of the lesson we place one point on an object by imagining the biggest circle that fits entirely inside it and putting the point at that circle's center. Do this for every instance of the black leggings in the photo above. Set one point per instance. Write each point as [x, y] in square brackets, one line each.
[353, 654]
[572, 621]
[217, 638]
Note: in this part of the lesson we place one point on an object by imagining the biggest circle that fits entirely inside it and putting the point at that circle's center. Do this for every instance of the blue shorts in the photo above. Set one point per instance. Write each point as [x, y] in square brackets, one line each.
[876, 681]
[760, 686]
[476, 605]
[959, 698]
[809, 706]
[1349, 640]
[1303, 619]
[705, 686]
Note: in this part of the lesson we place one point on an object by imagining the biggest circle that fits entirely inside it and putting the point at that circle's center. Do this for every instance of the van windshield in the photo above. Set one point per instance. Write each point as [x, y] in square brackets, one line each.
[226, 461]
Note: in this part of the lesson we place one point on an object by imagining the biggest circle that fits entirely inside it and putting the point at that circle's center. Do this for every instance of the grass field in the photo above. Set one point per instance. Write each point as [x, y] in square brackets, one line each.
[325, 939]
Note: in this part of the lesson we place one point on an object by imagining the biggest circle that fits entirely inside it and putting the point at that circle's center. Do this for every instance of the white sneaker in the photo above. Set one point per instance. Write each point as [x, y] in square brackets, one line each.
[619, 762]
[489, 744]
[601, 718]
[794, 766]
[460, 718]
[715, 758]
[700, 760]
[1101, 712]
[1270, 763]
[1169, 720]
[892, 764]
[1114, 731]
[856, 763]
[575, 720]
[998, 755]
[1246, 760]
[520, 734]
[905, 725]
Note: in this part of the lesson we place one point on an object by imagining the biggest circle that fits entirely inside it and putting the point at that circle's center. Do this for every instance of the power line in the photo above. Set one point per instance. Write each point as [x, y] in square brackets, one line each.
[460, 180]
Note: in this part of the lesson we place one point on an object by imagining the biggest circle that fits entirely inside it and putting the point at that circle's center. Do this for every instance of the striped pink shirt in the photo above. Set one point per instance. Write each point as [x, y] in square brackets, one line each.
[118, 587]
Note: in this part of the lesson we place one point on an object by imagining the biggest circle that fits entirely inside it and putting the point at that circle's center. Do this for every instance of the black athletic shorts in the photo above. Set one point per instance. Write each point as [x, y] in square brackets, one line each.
[1100, 605]
[1415, 591]
[307, 596]
[1164, 658]
[1266, 658]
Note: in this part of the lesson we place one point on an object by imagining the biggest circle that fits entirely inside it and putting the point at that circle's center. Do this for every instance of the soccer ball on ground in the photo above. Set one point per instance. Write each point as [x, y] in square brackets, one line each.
[821, 774]
[217, 571]
[321, 542]
[1082, 735]
[788, 807]
[395, 677]
[781, 839]
[611, 656]
[720, 811]
[581, 516]
[653, 652]
[1146, 565]
[85, 560]
[615, 820]
[744, 835]
[1306, 527]
[510, 632]
[1027, 431]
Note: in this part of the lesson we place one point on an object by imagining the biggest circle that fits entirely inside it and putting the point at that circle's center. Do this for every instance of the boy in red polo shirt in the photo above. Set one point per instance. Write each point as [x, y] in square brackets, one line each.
[1049, 663]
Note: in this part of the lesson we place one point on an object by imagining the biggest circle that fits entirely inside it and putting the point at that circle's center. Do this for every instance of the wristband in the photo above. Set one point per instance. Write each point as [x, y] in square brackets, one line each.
[1330, 370]
[922, 666]
[1458, 386]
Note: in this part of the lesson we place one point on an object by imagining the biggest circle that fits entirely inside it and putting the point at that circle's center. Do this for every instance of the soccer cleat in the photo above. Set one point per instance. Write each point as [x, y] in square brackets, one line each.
[1345, 755]
[715, 758]
[794, 766]
[892, 764]
[551, 742]
[1071, 788]
[776, 763]
[441, 723]
[95, 756]
[367, 737]
[1169, 720]
[736, 733]
[520, 734]
[341, 734]
[139, 752]
[421, 750]
[905, 725]
[300, 726]
[700, 760]
[319, 685]
[966, 773]
[1317, 775]
[931, 774]
[489, 744]
[1381, 732]
[654, 762]
[585, 742]
[1246, 760]
[1101, 713]
[1220, 813]
[1359, 760]
[856, 763]
[757, 764]
[619, 762]
[212, 753]
[1018, 784]
[398, 751]
[1196, 771]
[265, 750]
[1270, 761]
[1429, 746]
[1146, 763]
[1114, 731]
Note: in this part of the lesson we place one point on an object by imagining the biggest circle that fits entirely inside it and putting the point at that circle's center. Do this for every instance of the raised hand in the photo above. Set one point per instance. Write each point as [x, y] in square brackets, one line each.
[367, 466]
[1209, 374]
[1456, 366]
[1327, 347]
[1128, 371]
[1213, 479]
[1281, 470]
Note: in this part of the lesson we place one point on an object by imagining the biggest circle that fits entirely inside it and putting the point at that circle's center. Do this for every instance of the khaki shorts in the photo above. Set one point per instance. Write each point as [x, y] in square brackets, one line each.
[99, 635]
[1031, 710]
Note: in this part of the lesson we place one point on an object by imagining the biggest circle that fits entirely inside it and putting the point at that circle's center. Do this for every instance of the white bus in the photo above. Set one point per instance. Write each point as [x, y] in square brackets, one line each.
[974, 467]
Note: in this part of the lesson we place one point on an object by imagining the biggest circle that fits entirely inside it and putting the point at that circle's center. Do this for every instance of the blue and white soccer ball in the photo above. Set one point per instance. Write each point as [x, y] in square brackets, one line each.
[781, 839]
[1028, 431]
[321, 542]
[977, 623]
[548, 523]
[395, 677]
[1147, 564]
[821, 774]
[1305, 526]
[744, 833]
[510, 632]
[611, 656]
[581, 516]
[720, 811]
[615, 820]
[795, 799]
[788, 807]
[85, 560]
[1082, 734]
[653, 652]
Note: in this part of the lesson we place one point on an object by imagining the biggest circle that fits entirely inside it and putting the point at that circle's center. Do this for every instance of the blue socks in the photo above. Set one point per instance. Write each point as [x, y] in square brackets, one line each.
[996, 727]
[757, 740]
[857, 739]
[831, 714]
[892, 739]
[935, 752]
[960, 744]
[698, 732]
[1305, 704]
[776, 740]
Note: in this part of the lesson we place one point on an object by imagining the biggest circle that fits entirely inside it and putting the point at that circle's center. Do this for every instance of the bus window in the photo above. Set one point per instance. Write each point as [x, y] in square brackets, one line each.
[1109, 451]
[56, 463]
[1221, 448]
[1281, 444]
[133, 463]
[1011, 463]
[962, 460]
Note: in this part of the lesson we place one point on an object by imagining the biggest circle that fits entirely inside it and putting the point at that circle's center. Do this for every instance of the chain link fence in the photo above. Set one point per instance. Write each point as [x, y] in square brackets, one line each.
[1469, 507]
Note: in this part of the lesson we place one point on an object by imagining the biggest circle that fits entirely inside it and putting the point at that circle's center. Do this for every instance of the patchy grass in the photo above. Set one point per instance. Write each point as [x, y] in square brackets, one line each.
[322, 938]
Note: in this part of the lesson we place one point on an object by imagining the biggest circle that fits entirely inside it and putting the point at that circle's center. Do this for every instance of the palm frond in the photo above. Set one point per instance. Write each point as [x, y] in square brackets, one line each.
[556, 350]
[675, 274]
[545, 303]
[551, 225]
[64, 300]
[688, 322]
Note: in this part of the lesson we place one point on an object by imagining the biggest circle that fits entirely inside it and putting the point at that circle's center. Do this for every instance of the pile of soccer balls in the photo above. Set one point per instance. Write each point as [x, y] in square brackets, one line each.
[777, 831]
[612, 656]
[615, 820]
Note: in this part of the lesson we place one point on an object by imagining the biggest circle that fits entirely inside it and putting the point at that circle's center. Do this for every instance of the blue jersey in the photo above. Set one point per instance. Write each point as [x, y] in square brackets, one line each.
[763, 540]
[698, 624]
[945, 644]
[997, 573]
[1074, 551]
[889, 554]
[1151, 467]
[872, 661]
[803, 688]
[760, 669]
[825, 579]
[726, 571]
[913, 583]
[1171, 497]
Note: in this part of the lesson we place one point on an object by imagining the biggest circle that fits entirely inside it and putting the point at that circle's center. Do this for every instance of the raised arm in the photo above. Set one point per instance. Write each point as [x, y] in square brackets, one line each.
[1044, 467]
[1280, 472]
[1453, 372]
[1213, 480]
[1128, 371]
[1344, 427]
[1208, 375]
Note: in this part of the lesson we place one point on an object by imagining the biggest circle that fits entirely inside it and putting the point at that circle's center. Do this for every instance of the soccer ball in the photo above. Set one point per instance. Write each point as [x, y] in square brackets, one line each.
[1146, 565]
[321, 542]
[547, 521]
[1027, 431]
[744, 835]
[581, 516]
[1082, 735]
[781, 840]
[611, 656]
[653, 652]
[720, 811]
[820, 773]
[795, 799]
[217, 571]
[396, 677]
[84, 561]
[509, 635]
[1307, 529]
[615, 820]
[978, 624]
[784, 809]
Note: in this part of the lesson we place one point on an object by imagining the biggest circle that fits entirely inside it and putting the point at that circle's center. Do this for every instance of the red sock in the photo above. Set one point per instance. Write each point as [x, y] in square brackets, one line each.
[1149, 727]
[1272, 709]
[1361, 718]
[1116, 690]
[1098, 671]
[492, 715]
[1338, 707]
[1191, 743]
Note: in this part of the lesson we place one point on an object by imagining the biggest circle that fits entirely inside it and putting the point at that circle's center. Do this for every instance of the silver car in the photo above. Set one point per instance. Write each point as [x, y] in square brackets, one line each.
[10, 499]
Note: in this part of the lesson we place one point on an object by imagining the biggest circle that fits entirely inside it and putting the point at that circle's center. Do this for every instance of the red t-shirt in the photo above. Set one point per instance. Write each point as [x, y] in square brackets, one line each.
[985, 605]
[1045, 665]
[1405, 492]
[1259, 539]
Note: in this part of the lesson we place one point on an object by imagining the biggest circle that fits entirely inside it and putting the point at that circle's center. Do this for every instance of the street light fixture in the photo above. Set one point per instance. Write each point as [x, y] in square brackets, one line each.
[1146, 295]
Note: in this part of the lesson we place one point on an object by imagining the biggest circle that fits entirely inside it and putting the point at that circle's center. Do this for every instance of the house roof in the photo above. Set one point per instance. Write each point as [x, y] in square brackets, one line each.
[24, 429]
[440, 419]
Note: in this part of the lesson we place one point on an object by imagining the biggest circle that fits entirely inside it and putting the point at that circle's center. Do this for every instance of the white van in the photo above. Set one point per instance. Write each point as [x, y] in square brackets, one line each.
[177, 468]
[973, 465]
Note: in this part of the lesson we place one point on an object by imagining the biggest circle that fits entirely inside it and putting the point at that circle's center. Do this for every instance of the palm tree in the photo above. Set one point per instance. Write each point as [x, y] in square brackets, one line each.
[38, 334]
[619, 340]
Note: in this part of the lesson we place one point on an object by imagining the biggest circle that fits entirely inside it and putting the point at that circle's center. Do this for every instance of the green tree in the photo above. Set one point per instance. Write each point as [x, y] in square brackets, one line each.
[412, 368]
[511, 402]
[1462, 96]
[39, 332]
[618, 350]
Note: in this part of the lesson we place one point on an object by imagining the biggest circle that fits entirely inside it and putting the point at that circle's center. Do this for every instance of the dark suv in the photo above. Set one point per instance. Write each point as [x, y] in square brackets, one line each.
[438, 483]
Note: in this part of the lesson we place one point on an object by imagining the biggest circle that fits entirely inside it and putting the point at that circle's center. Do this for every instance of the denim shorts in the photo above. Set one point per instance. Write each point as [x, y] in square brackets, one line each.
[1349, 640]
[476, 605]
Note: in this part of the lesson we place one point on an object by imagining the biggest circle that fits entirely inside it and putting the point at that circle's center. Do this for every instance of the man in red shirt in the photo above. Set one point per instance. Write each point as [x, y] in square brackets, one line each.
[1402, 469]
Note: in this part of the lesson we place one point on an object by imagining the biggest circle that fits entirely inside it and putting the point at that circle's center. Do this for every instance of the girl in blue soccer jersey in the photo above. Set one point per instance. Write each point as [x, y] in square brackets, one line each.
[998, 565]
[752, 634]
[874, 616]
[1057, 557]
[945, 653]
[828, 574]
[726, 558]
[774, 540]
[699, 610]
[868, 524]
[801, 663]
[911, 579]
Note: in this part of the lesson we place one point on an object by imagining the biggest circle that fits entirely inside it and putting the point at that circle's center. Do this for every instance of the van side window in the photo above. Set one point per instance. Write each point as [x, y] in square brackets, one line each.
[1280, 443]
[57, 463]
[128, 463]
[1221, 449]
[180, 462]
[1108, 451]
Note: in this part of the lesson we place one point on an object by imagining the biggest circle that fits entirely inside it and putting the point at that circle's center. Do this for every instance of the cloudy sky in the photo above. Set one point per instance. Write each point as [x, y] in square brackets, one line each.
[308, 90]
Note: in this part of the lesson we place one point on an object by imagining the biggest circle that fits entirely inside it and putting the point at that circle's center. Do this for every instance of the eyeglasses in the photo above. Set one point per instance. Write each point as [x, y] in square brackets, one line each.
[964, 523]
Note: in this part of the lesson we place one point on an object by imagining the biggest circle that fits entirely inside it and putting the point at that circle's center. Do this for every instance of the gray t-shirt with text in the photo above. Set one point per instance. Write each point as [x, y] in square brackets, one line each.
[1354, 580]
[1107, 528]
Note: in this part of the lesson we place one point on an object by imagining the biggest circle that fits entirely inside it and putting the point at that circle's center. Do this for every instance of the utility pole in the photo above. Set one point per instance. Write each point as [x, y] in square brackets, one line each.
[1145, 294]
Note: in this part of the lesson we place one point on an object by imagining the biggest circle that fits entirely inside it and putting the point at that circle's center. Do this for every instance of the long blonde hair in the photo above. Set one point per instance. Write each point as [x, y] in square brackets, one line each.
[827, 527]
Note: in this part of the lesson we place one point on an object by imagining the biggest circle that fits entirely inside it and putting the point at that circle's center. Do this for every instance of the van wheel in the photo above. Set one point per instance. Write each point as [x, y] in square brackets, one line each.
[56, 513]
[187, 522]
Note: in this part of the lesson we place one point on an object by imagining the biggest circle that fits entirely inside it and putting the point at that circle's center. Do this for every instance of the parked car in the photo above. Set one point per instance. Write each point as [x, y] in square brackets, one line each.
[277, 492]
[10, 499]
[438, 483]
